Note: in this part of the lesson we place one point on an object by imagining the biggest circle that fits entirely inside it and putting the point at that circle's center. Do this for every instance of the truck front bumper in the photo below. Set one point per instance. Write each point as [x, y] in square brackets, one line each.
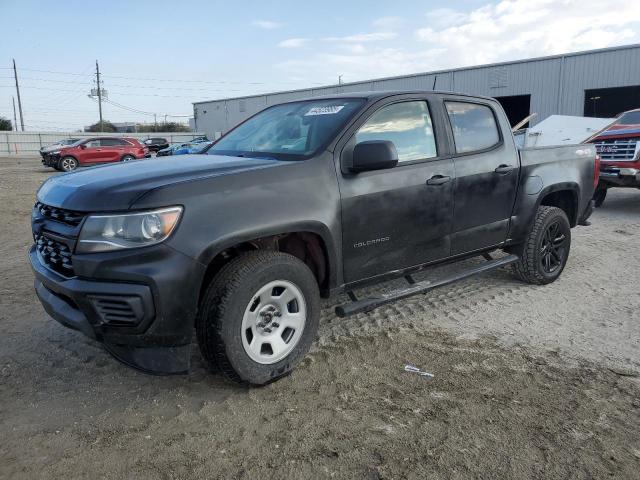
[616, 176]
[144, 316]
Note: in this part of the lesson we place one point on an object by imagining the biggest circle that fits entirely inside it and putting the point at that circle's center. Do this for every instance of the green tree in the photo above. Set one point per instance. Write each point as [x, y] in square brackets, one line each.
[162, 127]
[5, 125]
[106, 127]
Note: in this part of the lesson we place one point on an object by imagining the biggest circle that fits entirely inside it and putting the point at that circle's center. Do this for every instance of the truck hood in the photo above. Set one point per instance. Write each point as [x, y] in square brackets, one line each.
[619, 131]
[117, 186]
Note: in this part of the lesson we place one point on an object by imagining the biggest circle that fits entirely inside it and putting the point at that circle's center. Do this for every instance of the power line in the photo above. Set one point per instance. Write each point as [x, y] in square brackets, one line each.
[120, 93]
[179, 80]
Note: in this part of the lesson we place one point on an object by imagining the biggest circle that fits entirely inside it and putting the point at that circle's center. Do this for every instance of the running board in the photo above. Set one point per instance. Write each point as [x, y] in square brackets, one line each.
[368, 304]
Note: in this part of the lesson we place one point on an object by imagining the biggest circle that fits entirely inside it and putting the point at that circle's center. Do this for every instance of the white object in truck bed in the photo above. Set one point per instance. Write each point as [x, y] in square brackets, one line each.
[563, 129]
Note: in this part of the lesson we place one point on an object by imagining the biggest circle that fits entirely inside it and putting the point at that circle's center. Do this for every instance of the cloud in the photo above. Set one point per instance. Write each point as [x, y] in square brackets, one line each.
[293, 43]
[445, 17]
[365, 64]
[266, 24]
[516, 29]
[388, 23]
[498, 31]
[363, 37]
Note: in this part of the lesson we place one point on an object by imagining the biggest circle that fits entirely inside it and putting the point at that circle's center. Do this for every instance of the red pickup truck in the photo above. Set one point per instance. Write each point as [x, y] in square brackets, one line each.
[94, 151]
[619, 149]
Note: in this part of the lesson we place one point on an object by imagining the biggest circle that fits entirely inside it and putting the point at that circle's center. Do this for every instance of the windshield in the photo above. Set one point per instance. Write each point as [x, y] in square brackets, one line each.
[290, 131]
[629, 118]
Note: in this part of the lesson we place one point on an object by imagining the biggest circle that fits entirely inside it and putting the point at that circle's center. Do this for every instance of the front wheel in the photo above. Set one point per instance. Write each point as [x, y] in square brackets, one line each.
[259, 317]
[128, 158]
[68, 164]
[545, 251]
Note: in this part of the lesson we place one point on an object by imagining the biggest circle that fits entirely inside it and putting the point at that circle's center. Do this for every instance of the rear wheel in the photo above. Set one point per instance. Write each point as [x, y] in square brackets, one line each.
[67, 164]
[598, 196]
[259, 317]
[544, 254]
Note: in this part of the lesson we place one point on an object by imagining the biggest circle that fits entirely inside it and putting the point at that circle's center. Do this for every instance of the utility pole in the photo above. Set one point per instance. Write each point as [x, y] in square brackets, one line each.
[99, 95]
[15, 74]
[155, 123]
[339, 79]
[15, 120]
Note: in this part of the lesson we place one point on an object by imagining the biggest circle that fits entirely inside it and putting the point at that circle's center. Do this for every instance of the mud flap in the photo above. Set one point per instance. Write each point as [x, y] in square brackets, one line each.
[584, 219]
[154, 360]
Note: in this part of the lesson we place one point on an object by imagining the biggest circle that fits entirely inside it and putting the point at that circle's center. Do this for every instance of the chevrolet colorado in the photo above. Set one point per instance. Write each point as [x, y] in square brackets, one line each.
[303, 200]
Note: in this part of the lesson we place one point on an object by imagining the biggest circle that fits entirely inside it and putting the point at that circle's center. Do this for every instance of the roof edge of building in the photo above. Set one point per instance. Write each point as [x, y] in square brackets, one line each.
[433, 72]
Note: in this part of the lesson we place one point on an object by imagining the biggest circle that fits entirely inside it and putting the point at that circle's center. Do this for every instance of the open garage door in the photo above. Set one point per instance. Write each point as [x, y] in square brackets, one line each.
[516, 107]
[609, 102]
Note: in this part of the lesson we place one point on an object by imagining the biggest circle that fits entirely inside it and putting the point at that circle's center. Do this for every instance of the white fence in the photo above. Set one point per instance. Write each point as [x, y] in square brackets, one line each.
[29, 143]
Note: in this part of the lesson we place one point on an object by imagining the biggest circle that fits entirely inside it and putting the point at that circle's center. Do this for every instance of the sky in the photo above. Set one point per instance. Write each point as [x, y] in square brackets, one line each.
[160, 56]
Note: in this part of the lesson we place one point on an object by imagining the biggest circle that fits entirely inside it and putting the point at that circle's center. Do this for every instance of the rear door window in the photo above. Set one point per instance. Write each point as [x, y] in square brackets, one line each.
[406, 124]
[474, 126]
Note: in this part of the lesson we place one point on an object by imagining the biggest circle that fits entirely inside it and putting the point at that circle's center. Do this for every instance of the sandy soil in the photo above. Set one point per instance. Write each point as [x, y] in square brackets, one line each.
[530, 382]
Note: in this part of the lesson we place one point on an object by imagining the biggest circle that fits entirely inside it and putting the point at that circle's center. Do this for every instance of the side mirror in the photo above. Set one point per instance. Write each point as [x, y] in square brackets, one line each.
[83, 146]
[374, 155]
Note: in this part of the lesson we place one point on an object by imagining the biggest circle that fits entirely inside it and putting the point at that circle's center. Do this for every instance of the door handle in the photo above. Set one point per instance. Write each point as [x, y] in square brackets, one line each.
[503, 169]
[438, 180]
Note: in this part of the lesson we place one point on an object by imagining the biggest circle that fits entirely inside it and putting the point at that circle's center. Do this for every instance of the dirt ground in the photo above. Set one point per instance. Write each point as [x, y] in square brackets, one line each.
[530, 382]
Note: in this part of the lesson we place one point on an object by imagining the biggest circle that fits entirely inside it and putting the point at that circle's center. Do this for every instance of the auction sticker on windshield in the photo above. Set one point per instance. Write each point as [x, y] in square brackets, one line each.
[330, 110]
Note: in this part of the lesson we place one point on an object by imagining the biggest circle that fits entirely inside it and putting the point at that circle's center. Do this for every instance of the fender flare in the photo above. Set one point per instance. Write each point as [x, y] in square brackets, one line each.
[572, 187]
[310, 226]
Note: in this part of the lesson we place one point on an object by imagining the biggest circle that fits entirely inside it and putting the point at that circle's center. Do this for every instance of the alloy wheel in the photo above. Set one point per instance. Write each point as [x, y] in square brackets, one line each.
[553, 248]
[68, 164]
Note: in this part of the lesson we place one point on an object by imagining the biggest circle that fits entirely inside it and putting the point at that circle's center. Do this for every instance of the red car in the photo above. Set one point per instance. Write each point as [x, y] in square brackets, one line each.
[619, 149]
[95, 151]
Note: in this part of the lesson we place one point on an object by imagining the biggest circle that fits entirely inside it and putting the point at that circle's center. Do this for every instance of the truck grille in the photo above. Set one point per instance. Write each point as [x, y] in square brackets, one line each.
[65, 216]
[621, 150]
[55, 255]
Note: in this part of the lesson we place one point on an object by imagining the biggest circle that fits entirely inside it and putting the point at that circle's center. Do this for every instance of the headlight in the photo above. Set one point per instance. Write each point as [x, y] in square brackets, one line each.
[104, 233]
[55, 152]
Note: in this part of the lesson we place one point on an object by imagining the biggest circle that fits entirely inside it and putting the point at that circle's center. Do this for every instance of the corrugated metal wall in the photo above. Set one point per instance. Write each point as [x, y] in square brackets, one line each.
[556, 85]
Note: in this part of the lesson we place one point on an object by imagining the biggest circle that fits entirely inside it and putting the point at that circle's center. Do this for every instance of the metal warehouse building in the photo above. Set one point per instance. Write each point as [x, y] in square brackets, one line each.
[599, 83]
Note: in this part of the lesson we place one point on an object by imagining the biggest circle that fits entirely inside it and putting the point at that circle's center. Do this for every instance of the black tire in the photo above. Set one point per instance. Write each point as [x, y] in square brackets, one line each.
[67, 164]
[128, 158]
[598, 196]
[228, 299]
[536, 255]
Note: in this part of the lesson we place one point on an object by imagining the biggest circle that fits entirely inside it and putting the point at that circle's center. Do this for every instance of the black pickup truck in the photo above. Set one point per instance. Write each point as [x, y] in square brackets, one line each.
[304, 200]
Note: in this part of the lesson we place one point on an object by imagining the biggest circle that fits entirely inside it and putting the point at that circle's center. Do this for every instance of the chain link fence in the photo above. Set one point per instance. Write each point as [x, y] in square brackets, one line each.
[28, 144]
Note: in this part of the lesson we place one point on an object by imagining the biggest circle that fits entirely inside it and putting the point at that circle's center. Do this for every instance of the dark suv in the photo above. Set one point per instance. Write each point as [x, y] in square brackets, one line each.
[156, 143]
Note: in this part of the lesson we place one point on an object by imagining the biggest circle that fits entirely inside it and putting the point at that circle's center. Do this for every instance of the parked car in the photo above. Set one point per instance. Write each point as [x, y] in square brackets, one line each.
[55, 146]
[304, 200]
[619, 150]
[93, 151]
[194, 148]
[171, 149]
[156, 143]
[199, 139]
